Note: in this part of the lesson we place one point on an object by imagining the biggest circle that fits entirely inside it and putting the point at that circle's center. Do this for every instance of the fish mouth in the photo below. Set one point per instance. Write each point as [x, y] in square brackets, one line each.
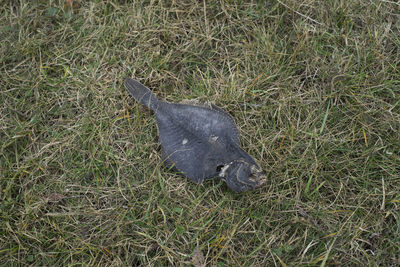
[258, 178]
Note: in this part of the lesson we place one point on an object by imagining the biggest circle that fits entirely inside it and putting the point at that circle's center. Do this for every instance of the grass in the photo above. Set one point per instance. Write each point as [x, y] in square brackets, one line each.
[314, 87]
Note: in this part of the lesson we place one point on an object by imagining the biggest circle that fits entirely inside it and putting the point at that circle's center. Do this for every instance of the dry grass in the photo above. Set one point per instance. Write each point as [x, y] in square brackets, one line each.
[313, 85]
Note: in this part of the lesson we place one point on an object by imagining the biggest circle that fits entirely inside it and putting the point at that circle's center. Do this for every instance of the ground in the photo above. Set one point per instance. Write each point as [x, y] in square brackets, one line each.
[313, 85]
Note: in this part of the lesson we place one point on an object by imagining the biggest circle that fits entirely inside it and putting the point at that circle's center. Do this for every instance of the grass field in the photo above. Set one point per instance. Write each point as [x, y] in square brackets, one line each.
[314, 87]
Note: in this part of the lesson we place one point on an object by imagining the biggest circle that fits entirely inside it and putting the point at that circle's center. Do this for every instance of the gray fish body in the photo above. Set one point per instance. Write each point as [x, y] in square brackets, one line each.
[201, 142]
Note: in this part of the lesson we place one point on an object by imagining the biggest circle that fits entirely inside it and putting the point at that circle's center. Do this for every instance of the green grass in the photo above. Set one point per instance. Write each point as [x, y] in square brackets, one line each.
[314, 87]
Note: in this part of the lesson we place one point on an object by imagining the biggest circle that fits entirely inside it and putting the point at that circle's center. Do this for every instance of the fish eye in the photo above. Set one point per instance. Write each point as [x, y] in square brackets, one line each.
[219, 168]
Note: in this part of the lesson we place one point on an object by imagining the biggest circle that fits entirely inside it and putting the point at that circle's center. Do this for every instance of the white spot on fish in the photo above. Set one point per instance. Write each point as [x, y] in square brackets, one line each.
[213, 138]
[184, 141]
[224, 169]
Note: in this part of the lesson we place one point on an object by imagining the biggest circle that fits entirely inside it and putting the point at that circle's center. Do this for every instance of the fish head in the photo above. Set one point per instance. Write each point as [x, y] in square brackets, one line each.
[241, 175]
